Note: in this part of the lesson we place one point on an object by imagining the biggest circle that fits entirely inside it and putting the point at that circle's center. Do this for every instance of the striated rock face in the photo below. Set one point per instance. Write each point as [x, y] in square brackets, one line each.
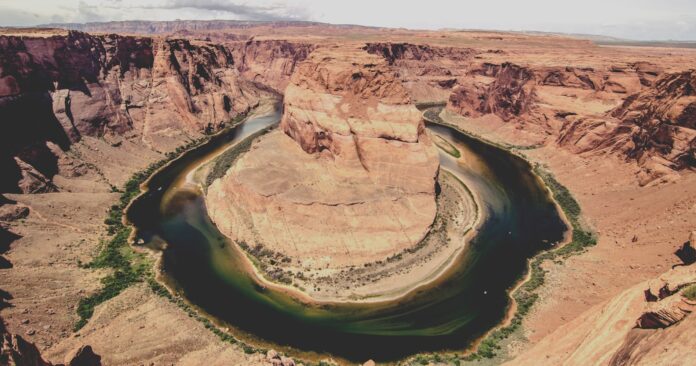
[393, 52]
[332, 101]
[510, 95]
[428, 72]
[59, 89]
[629, 329]
[270, 63]
[349, 179]
[656, 128]
[662, 120]
[632, 109]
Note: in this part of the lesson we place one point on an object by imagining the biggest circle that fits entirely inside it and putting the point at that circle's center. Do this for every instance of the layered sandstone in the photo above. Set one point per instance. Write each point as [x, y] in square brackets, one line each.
[649, 324]
[57, 90]
[269, 63]
[656, 128]
[634, 110]
[351, 177]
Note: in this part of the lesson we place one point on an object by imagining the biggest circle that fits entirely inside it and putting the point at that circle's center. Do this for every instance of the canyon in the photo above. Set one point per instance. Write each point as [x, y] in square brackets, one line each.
[350, 176]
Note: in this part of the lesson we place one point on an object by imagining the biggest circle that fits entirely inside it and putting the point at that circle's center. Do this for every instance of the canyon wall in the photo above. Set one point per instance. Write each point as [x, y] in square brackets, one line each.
[655, 127]
[635, 111]
[269, 63]
[352, 159]
[160, 93]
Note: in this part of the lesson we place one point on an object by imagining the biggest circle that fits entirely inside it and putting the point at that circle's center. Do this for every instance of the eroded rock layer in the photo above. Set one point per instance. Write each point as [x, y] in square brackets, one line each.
[351, 177]
[54, 91]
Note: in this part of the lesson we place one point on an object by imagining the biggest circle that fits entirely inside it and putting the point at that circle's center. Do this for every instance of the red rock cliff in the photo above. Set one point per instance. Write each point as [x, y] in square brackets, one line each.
[56, 90]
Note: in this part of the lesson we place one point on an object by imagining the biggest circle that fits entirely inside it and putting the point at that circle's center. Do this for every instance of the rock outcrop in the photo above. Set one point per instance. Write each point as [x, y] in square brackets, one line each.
[662, 120]
[634, 110]
[270, 63]
[649, 324]
[428, 72]
[16, 351]
[58, 89]
[510, 95]
[656, 128]
[351, 179]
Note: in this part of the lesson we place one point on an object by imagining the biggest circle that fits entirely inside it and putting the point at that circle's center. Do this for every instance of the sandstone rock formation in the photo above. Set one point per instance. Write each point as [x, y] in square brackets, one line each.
[59, 89]
[510, 95]
[634, 110]
[428, 72]
[352, 179]
[270, 63]
[662, 120]
[649, 324]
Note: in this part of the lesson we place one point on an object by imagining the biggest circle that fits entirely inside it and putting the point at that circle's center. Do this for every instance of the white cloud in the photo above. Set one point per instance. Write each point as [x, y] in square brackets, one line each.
[637, 19]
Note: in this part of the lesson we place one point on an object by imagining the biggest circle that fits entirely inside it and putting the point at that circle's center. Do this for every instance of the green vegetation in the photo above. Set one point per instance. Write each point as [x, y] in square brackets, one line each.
[690, 292]
[128, 267]
[447, 147]
[525, 296]
[225, 161]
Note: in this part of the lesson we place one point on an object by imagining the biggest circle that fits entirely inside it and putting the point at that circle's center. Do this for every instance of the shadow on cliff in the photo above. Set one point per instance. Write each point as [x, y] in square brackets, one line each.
[29, 123]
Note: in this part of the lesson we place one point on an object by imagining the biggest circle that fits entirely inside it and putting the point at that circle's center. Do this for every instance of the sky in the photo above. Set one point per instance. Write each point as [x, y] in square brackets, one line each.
[631, 19]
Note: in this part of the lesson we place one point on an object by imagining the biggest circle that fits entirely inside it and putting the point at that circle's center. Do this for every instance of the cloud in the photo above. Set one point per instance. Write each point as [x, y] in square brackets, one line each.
[12, 17]
[242, 10]
[88, 13]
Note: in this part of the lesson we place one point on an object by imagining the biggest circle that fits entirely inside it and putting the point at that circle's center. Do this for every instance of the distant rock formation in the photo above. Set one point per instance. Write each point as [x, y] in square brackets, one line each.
[510, 95]
[270, 62]
[662, 120]
[656, 128]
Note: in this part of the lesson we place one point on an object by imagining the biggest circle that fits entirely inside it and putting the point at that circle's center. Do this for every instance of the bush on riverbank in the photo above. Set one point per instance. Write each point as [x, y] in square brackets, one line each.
[690, 292]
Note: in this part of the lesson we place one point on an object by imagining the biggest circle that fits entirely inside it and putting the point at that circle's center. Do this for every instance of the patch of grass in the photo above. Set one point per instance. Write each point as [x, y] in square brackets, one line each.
[447, 147]
[225, 161]
[690, 292]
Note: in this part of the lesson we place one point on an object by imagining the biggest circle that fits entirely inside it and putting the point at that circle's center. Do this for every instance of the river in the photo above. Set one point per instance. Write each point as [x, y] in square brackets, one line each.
[465, 302]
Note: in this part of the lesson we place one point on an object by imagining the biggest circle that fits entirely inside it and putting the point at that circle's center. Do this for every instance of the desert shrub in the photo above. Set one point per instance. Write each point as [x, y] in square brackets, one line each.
[690, 292]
